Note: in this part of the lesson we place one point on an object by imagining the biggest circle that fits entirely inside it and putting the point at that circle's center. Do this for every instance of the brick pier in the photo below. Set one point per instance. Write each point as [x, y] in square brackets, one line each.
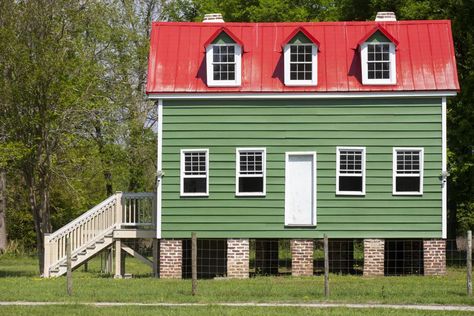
[171, 258]
[434, 256]
[238, 258]
[302, 257]
[374, 254]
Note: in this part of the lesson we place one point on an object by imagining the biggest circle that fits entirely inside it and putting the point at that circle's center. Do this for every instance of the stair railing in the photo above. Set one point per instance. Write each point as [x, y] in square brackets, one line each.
[121, 210]
[139, 209]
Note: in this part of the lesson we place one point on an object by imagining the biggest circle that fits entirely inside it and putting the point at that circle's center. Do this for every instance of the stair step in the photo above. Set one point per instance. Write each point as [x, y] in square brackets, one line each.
[91, 247]
[100, 241]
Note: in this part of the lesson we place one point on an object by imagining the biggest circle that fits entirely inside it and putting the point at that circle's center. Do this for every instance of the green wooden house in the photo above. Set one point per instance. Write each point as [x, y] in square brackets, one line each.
[290, 131]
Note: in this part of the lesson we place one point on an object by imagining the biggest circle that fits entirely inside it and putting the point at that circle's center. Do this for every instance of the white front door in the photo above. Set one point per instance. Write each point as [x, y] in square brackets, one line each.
[300, 189]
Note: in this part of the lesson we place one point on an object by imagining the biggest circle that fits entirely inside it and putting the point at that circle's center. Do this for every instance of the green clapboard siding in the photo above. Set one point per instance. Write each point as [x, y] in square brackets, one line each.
[302, 125]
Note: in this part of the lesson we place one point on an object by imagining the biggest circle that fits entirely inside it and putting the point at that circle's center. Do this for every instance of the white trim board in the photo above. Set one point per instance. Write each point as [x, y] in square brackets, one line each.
[159, 166]
[300, 95]
[444, 170]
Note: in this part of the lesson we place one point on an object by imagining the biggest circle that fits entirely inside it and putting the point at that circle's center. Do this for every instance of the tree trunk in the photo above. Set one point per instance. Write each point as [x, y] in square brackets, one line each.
[3, 210]
[37, 220]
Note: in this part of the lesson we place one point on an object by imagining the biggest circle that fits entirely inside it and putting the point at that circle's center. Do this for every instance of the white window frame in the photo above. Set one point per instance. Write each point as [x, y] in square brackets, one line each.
[394, 170]
[210, 68]
[182, 176]
[314, 68]
[338, 174]
[238, 175]
[364, 67]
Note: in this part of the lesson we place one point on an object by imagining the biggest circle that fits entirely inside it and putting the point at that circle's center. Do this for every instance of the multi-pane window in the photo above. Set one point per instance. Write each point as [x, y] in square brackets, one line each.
[301, 58]
[378, 61]
[250, 175]
[301, 64]
[194, 172]
[407, 171]
[350, 170]
[223, 62]
[223, 65]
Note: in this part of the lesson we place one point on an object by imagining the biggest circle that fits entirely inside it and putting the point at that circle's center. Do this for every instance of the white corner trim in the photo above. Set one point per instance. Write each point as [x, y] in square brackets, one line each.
[210, 62]
[315, 199]
[421, 150]
[181, 173]
[237, 171]
[393, 66]
[314, 67]
[159, 167]
[338, 174]
[444, 168]
[299, 95]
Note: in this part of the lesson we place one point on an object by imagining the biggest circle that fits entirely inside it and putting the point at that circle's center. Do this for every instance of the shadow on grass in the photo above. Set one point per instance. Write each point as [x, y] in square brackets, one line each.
[6, 274]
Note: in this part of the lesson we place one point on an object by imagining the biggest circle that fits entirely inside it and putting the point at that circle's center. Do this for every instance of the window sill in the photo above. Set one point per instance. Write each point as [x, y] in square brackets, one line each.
[223, 84]
[300, 84]
[349, 193]
[379, 83]
[407, 193]
[194, 195]
[250, 194]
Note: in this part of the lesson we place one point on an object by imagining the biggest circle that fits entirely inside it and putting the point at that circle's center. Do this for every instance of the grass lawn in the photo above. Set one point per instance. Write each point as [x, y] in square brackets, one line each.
[213, 310]
[19, 282]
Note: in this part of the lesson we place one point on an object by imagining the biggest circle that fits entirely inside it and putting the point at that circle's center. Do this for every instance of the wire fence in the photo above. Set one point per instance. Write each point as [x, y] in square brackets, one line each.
[346, 256]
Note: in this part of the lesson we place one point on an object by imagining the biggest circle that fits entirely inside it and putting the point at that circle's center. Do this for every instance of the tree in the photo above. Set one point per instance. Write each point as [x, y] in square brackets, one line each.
[50, 76]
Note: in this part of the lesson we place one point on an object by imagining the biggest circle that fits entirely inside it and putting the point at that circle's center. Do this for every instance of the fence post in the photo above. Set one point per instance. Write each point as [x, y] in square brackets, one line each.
[69, 266]
[326, 266]
[194, 262]
[469, 263]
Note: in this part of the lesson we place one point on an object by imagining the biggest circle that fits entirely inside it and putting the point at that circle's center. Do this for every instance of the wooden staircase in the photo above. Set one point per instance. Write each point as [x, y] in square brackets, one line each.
[98, 228]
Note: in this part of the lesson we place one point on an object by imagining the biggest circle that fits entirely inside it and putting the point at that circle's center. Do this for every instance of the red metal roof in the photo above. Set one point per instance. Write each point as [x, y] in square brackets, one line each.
[425, 56]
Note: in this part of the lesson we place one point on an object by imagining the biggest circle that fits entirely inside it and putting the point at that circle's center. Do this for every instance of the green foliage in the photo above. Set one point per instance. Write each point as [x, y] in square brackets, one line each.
[73, 79]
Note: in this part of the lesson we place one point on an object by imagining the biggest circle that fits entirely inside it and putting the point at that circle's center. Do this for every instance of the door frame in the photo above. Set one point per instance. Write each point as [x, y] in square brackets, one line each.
[315, 177]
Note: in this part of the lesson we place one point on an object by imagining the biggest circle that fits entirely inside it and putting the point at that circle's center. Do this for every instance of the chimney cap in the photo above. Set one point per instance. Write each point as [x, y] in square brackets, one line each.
[385, 16]
[213, 18]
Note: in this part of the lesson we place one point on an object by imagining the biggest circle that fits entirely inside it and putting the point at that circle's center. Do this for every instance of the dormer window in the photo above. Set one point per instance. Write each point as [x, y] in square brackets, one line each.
[378, 60]
[301, 59]
[223, 61]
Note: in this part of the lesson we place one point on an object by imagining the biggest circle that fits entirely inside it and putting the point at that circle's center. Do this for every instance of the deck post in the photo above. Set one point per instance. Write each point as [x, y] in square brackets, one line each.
[47, 256]
[118, 259]
[118, 209]
[69, 265]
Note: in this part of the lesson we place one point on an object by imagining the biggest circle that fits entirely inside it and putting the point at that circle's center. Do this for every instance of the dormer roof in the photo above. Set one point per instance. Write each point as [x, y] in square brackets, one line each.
[382, 30]
[303, 31]
[219, 32]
